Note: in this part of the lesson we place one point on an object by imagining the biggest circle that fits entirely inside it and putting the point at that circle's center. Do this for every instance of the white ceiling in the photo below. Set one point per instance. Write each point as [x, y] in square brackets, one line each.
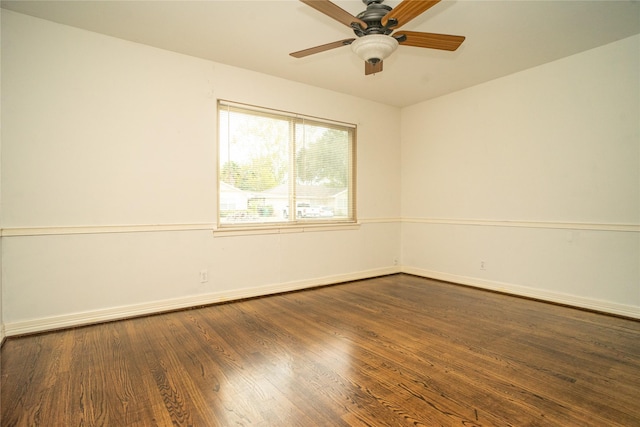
[502, 37]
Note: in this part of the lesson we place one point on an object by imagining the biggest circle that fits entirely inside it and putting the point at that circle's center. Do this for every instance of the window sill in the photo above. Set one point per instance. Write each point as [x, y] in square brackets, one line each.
[247, 230]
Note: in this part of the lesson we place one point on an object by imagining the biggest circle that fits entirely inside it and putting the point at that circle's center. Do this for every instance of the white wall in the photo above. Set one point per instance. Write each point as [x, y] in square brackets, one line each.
[108, 170]
[1, 317]
[538, 176]
[109, 181]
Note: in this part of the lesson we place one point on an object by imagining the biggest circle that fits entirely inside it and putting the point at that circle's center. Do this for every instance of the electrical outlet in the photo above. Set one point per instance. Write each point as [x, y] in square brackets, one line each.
[483, 265]
[395, 261]
[204, 276]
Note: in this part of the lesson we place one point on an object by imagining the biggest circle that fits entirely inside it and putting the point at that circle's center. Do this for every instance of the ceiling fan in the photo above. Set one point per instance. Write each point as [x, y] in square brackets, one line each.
[374, 27]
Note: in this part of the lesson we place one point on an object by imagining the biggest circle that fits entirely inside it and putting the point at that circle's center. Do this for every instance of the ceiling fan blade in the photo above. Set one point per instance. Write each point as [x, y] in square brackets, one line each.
[336, 12]
[370, 68]
[430, 40]
[322, 48]
[407, 10]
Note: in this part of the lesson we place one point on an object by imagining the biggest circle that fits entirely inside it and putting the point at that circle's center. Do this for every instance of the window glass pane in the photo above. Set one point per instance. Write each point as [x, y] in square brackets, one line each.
[253, 160]
[323, 170]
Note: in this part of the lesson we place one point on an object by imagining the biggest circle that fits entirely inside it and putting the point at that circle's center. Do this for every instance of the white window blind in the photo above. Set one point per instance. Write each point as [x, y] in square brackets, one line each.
[279, 167]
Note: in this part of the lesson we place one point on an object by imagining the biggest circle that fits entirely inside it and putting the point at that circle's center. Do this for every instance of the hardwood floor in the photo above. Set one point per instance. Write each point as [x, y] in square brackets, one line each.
[391, 351]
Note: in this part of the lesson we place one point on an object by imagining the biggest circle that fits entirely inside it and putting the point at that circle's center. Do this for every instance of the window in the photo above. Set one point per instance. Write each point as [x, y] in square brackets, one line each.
[277, 167]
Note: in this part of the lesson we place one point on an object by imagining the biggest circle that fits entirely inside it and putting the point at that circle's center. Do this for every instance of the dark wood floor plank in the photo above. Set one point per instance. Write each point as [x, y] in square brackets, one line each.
[394, 351]
[379, 380]
[363, 364]
[328, 360]
[403, 357]
[594, 399]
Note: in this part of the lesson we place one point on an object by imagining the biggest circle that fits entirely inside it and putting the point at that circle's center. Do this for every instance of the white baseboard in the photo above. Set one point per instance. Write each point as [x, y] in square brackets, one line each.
[135, 310]
[154, 307]
[523, 291]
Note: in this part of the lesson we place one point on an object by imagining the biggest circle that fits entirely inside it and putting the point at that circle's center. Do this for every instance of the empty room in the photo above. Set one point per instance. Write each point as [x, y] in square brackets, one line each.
[332, 213]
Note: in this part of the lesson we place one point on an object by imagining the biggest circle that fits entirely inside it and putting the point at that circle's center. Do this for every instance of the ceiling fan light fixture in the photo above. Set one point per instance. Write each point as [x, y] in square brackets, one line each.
[374, 48]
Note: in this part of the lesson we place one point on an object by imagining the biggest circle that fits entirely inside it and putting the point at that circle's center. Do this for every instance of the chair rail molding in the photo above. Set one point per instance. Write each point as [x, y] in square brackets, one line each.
[634, 228]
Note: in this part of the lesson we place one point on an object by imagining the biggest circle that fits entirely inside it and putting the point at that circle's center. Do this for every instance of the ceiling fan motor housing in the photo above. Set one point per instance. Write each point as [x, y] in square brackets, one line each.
[373, 16]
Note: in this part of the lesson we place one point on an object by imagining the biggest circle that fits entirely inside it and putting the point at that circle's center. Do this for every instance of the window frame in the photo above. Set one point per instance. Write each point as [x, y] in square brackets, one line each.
[297, 224]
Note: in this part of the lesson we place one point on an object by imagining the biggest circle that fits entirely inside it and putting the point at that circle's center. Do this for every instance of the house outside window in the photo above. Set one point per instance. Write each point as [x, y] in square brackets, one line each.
[282, 168]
